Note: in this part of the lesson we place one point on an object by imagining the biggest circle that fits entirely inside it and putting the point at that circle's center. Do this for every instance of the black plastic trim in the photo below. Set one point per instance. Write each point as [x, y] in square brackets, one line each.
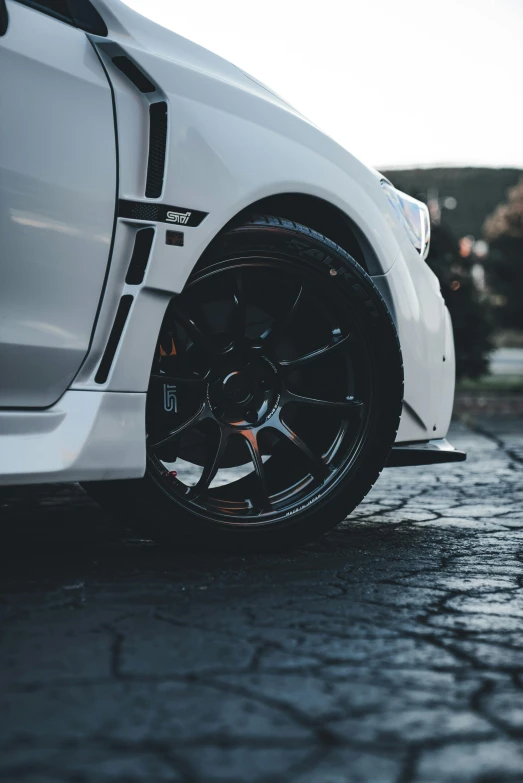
[4, 18]
[78, 13]
[140, 257]
[430, 452]
[160, 213]
[133, 73]
[61, 11]
[114, 338]
[87, 18]
[175, 238]
[157, 149]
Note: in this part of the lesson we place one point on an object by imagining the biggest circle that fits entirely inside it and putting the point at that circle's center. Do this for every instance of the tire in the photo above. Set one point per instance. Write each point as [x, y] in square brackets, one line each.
[283, 354]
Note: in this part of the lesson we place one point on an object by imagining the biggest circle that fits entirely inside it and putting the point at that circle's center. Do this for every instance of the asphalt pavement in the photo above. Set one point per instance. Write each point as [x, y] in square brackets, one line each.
[389, 652]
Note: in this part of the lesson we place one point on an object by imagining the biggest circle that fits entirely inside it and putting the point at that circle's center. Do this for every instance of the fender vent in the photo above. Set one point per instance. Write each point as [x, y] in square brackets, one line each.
[157, 144]
[140, 257]
[134, 74]
[114, 338]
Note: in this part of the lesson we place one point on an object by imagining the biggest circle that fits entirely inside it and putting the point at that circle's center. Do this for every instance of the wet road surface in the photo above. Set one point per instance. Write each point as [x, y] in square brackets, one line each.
[391, 651]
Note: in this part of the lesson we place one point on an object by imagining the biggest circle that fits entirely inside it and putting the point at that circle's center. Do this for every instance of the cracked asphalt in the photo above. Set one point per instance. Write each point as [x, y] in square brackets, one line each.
[389, 652]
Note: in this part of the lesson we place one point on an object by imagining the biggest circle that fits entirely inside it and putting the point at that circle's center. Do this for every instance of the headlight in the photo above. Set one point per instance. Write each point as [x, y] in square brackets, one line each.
[413, 215]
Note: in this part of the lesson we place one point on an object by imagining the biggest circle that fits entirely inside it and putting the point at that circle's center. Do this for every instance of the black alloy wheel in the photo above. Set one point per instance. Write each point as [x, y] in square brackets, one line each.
[274, 395]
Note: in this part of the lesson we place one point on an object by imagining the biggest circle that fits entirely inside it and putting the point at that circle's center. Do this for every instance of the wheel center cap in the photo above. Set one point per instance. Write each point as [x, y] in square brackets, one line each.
[246, 395]
[237, 387]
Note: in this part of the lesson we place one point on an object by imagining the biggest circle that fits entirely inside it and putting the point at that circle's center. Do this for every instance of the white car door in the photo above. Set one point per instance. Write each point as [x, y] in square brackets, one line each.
[58, 184]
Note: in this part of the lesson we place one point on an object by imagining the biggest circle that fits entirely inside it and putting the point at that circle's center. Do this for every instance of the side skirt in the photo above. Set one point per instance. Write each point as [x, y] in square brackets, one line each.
[85, 436]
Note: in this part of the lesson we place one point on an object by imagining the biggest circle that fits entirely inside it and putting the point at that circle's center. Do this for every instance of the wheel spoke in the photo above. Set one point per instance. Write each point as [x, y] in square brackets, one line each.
[173, 380]
[346, 406]
[153, 441]
[211, 466]
[326, 350]
[193, 331]
[281, 324]
[317, 466]
[259, 469]
[238, 318]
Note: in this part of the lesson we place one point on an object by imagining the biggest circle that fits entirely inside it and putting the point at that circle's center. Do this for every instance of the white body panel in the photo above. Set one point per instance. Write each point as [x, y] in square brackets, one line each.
[84, 436]
[57, 190]
[230, 144]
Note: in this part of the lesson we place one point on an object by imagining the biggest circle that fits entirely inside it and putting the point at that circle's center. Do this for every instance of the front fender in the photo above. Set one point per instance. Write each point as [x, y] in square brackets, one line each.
[229, 144]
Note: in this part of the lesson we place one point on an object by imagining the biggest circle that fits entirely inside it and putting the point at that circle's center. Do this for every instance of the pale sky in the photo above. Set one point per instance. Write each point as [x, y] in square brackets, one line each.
[396, 82]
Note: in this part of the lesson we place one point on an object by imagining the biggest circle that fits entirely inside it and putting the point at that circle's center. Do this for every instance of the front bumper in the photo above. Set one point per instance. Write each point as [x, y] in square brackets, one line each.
[411, 290]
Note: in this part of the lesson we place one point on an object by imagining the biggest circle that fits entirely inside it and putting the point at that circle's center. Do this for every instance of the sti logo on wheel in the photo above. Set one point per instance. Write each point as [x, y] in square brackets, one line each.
[178, 217]
[170, 402]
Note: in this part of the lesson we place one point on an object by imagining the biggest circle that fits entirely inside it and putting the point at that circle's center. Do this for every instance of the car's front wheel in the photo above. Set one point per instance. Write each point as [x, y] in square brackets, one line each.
[274, 397]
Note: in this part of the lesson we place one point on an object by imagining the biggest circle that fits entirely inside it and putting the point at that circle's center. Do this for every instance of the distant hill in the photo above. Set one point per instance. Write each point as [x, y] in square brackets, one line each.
[477, 192]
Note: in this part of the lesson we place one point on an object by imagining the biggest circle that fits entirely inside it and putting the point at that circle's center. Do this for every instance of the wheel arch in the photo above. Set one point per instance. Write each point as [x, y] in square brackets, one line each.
[317, 214]
[152, 297]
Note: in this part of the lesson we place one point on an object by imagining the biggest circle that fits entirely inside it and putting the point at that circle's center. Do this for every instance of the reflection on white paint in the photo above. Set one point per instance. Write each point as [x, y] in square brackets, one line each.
[44, 327]
[48, 224]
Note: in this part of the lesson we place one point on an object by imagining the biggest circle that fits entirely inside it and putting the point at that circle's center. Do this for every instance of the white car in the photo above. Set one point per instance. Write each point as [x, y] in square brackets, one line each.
[210, 313]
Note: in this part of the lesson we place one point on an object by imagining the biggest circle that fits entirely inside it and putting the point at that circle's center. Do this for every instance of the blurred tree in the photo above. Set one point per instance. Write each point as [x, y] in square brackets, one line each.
[470, 313]
[504, 266]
